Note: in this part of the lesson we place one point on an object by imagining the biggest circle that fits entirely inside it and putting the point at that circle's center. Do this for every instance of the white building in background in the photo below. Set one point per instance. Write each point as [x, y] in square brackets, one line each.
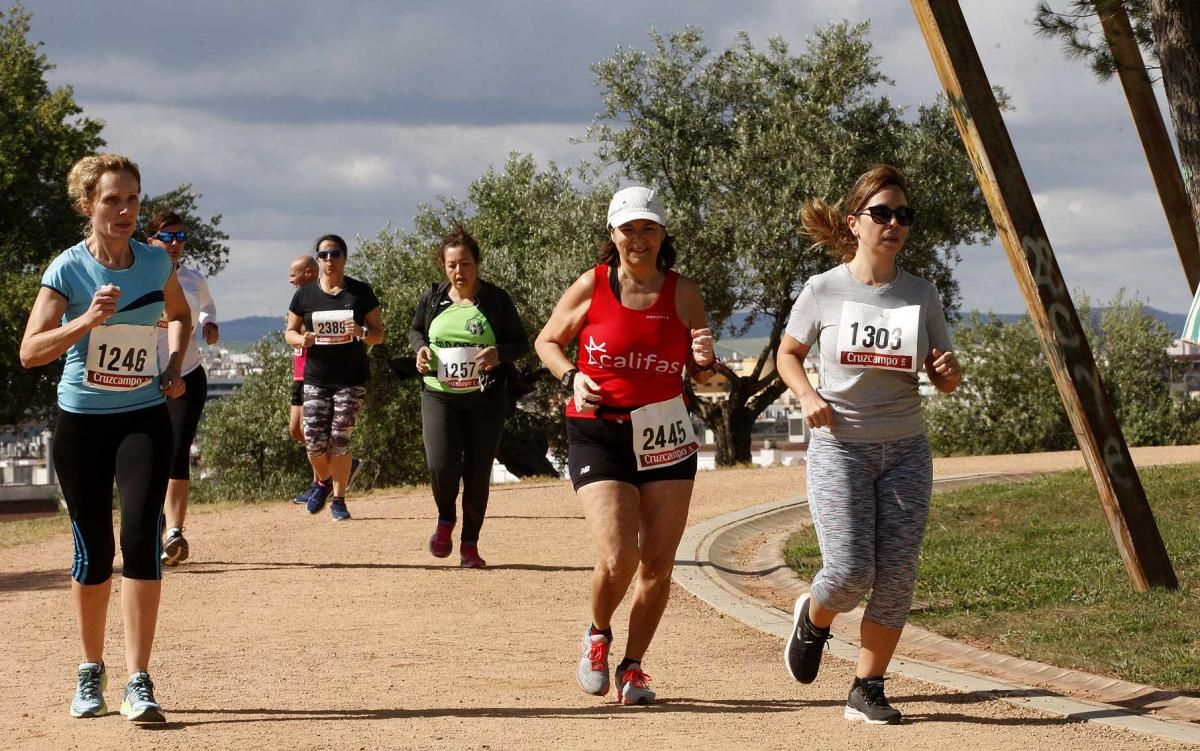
[1187, 354]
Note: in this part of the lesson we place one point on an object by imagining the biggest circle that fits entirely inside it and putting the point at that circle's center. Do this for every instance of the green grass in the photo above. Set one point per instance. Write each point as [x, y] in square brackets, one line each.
[1030, 569]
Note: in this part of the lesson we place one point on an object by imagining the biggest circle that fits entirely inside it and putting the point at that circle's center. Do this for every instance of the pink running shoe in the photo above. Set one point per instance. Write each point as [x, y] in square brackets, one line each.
[469, 556]
[441, 544]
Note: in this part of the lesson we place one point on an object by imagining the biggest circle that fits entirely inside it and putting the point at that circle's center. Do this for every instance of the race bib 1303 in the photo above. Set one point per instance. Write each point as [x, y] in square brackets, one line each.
[872, 337]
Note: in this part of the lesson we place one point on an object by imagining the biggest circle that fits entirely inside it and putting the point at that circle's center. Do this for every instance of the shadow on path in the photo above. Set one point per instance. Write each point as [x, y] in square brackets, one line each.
[607, 710]
[34, 581]
[225, 567]
[682, 705]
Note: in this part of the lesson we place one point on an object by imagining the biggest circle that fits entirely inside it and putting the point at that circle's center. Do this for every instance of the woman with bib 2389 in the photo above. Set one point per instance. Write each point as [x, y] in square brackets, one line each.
[870, 471]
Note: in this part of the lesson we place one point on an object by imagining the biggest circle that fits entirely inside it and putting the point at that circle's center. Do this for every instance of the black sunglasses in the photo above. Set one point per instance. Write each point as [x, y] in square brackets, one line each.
[881, 214]
[325, 255]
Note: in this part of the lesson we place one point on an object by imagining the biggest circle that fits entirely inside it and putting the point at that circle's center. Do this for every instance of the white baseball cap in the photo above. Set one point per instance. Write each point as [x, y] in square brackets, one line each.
[635, 202]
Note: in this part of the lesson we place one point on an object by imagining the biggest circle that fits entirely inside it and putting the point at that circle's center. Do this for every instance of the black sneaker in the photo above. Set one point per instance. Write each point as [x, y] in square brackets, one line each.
[868, 704]
[805, 645]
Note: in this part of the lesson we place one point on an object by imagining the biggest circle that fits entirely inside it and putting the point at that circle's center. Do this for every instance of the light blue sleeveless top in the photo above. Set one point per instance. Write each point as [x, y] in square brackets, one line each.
[117, 377]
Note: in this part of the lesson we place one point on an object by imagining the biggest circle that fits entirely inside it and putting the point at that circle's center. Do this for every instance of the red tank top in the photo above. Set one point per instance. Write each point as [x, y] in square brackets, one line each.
[637, 357]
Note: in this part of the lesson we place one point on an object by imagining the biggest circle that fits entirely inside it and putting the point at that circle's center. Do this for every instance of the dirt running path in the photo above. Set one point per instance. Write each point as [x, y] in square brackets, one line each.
[292, 632]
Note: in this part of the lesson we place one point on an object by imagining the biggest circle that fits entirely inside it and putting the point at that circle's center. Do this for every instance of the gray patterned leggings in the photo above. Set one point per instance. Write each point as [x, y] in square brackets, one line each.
[869, 503]
[329, 415]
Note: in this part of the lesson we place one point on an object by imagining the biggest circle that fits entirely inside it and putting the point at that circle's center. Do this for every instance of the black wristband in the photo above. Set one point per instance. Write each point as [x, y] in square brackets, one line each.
[568, 379]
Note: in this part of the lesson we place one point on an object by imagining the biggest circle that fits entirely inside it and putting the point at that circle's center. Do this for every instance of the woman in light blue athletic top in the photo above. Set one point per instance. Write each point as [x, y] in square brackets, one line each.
[870, 470]
[99, 304]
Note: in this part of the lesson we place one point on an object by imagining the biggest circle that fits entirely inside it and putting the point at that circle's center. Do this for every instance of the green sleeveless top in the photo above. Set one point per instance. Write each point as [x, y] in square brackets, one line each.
[456, 335]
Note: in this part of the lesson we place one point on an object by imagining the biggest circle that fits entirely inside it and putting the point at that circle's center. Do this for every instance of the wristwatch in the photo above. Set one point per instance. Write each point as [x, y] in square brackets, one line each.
[568, 379]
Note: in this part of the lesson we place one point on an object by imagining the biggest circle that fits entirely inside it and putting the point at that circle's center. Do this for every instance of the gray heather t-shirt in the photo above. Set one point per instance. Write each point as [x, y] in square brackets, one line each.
[869, 354]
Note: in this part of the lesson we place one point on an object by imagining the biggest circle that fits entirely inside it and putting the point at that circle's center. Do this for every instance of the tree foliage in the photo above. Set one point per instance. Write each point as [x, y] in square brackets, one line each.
[206, 248]
[1077, 27]
[42, 136]
[44, 133]
[243, 441]
[1008, 402]
[1168, 31]
[737, 141]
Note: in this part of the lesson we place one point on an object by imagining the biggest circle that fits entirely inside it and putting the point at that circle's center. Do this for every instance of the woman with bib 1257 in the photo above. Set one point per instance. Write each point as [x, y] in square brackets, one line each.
[870, 471]
[466, 333]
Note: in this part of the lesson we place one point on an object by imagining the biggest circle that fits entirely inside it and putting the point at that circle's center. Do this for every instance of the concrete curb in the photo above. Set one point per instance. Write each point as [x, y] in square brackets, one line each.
[720, 580]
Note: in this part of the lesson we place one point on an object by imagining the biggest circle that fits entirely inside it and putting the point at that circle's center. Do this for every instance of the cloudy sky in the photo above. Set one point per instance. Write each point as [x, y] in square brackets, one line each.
[295, 118]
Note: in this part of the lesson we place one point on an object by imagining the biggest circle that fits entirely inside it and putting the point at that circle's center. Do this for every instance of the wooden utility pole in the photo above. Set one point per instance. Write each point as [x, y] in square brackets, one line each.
[1040, 280]
[1156, 142]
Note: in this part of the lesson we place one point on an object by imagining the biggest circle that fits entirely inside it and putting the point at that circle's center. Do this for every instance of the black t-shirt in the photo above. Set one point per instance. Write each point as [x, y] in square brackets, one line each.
[337, 359]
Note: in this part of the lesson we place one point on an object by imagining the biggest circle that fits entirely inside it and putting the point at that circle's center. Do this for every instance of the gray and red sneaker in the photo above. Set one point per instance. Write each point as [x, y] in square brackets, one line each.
[592, 672]
[633, 686]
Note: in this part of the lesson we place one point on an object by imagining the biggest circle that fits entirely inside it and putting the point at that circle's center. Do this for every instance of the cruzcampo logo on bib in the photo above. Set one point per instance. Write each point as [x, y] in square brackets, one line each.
[874, 337]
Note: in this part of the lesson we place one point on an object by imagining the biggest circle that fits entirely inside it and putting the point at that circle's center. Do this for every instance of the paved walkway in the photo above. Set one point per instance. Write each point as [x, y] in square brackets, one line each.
[290, 631]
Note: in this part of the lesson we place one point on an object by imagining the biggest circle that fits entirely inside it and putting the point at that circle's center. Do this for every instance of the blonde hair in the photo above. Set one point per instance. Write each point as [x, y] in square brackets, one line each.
[85, 176]
[826, 224]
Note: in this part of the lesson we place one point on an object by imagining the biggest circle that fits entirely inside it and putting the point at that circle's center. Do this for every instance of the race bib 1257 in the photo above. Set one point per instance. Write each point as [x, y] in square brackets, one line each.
[457, 367]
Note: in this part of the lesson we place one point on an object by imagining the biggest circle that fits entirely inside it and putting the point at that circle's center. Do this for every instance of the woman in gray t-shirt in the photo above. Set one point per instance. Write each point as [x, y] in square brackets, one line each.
[870, 470]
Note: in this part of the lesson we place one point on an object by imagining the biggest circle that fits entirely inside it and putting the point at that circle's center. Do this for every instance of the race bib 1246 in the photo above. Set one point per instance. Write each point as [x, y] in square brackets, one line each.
[121, 357]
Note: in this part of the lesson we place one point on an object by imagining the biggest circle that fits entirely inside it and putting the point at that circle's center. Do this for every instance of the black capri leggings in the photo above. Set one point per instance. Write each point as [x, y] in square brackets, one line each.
[185, 416]
[90, 452]
[462, 433]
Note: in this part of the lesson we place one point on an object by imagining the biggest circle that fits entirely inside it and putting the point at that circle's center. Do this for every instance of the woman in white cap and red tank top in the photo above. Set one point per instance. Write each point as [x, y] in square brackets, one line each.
[632, 450]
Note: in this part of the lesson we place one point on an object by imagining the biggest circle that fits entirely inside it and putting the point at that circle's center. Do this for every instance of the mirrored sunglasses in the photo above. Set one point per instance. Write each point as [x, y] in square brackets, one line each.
[170, 237]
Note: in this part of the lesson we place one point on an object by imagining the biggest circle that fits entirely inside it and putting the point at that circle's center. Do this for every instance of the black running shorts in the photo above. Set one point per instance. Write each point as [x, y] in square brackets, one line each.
[601, 449]
[297, 393]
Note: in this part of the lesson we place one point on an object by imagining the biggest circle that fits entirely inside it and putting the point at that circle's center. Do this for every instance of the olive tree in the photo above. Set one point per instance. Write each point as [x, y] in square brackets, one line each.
[736, 141]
